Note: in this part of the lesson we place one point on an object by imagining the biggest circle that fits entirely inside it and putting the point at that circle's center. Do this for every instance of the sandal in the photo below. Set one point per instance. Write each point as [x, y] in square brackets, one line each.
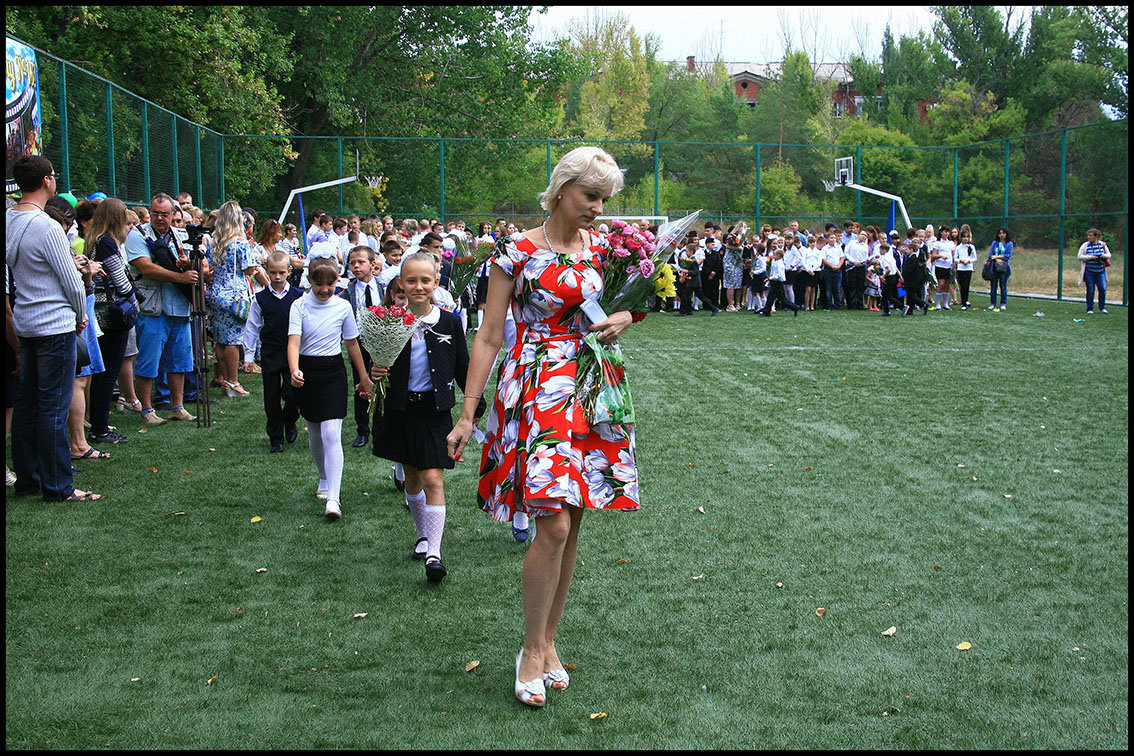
[557, 679]
[78, 495]
[526, 692]
[92, 453]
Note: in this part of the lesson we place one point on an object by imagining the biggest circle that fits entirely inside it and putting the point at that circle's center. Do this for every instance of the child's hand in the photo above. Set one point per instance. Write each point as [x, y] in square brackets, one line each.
[247, 367]
[297, 378]
[377, 372]
[365, 387]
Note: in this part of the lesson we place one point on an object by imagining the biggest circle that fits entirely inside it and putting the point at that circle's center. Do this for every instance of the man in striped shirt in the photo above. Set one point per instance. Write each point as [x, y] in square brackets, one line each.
[48, 315]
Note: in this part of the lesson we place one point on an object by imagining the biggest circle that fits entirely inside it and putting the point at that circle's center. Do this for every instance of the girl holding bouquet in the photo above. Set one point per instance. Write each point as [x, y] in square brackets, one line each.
[318, 324]
[419, 401]
[542, 456]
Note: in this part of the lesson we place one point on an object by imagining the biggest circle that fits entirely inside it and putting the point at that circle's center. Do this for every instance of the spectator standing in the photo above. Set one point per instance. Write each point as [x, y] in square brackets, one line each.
[48, 315]
[965, 256]
[833, 260]
[107, 235]
[165, 276]
[1001, 255]
[1095, 256]
[231, 259]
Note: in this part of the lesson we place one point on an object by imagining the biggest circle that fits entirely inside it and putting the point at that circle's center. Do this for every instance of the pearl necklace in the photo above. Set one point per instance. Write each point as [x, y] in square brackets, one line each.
[547, 240]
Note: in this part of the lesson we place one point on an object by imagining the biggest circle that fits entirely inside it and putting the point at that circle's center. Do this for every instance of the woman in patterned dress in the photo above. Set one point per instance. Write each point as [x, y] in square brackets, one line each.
[541, 456]
[232, 262]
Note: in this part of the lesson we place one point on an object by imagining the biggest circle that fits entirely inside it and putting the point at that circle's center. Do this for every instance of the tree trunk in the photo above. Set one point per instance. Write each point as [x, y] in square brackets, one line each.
[305, 147]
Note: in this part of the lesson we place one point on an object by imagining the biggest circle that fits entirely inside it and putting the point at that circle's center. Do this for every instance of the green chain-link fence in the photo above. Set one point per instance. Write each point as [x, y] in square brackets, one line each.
[1047, 188]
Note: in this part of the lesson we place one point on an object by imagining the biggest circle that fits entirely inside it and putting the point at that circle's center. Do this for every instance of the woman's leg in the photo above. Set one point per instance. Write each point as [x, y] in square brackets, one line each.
[559, 600]
[79, 445]
[543, 576]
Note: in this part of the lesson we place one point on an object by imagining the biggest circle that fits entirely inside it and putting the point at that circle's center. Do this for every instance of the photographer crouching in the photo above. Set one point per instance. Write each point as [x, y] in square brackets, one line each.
[165, 276]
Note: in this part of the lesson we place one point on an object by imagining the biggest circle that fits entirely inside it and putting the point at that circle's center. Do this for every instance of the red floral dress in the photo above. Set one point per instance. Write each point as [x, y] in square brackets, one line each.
[540, 446]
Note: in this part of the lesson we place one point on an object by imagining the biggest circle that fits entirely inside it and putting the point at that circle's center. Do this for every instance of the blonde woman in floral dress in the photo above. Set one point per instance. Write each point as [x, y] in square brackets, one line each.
[541, 456]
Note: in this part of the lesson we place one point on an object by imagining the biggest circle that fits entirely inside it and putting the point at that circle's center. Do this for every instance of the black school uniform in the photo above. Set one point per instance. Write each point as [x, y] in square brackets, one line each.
[415, 424]
[279, 397]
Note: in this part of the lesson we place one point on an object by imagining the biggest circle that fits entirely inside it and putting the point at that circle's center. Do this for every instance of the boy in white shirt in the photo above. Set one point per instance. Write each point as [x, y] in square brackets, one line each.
[776, 278]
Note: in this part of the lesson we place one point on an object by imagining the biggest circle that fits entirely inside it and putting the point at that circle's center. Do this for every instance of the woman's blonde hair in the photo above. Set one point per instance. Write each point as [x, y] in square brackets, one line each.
[592, 167]
[109, 219]
[229, 225]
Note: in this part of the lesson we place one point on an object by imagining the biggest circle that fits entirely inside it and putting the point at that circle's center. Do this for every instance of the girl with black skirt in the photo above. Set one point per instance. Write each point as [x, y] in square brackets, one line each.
[318, 324]
[417, 416]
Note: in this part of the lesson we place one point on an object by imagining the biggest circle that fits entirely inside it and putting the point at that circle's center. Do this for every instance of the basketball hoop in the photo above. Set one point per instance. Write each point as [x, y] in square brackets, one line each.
[372, 179]
[830, 184]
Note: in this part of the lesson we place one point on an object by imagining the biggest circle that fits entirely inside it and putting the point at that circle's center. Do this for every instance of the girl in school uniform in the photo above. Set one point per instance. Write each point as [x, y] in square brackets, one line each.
[417, 416]
[318, 324]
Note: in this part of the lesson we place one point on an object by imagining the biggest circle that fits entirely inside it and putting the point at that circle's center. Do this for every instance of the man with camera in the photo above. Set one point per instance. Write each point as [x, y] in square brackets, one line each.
[164, 275]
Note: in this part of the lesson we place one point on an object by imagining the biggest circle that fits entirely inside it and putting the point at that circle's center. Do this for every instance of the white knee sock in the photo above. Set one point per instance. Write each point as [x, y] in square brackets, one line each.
[331, 433]
[434, 520]
[315, 443]
[416, 504]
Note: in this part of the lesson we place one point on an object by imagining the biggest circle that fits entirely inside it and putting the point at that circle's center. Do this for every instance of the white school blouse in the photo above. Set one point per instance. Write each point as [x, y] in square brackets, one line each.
[964, 254]
[944, 247]
[419, 378]
[812, 259]
[321, 326]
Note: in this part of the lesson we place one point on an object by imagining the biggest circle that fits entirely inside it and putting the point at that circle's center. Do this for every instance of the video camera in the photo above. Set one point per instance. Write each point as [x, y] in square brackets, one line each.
[195, 235]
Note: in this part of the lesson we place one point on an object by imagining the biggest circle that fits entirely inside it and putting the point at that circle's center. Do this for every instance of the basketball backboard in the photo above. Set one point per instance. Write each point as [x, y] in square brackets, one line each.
[844, 171]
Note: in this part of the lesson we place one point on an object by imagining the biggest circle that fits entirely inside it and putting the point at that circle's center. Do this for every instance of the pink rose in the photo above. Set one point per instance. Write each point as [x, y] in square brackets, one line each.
[620, 252]
[618, 224]
[633, 243]
[649, 247]
[646, 268]
[615, 240]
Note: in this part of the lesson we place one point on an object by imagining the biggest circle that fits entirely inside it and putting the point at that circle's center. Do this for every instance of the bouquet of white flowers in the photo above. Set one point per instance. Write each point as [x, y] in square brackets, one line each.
[384, 331]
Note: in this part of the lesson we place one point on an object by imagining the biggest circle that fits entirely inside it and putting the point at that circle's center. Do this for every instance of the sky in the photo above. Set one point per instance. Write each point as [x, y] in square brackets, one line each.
[745, 33]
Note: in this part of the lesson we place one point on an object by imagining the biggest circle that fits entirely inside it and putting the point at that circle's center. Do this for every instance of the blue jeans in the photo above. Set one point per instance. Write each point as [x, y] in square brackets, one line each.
[834, 288]
[1000, 279]
[1095, 280]
[41, 448]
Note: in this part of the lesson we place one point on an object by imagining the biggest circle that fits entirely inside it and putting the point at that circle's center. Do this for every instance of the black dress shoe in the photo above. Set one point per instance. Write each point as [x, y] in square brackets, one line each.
[361, 440]
[277, 447]
[435, 572]
[292, 434]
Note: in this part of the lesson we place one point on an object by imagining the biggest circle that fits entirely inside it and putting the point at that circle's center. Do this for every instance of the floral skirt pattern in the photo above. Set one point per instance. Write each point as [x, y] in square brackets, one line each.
[733, 272]
[540, 446]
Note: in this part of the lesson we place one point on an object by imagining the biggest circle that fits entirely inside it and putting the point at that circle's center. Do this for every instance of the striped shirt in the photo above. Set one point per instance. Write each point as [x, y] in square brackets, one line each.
[50, 296]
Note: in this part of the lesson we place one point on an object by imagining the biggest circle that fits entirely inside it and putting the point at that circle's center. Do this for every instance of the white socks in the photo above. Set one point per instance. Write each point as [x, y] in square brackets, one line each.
[434, 521]
[325, 441]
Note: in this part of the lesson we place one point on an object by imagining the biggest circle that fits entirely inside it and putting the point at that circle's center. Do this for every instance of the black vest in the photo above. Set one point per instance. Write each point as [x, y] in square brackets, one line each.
[275, 312]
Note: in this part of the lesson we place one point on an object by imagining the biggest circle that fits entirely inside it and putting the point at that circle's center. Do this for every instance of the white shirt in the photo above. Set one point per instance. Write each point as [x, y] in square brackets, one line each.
[388, 274]
[255, 321]
[833, 255]
[945, 248]
[321, 326]
[793, 258]
[964, 255]
[856, 252]
[360, 292]
[889, 265]
[419, 379]
[812, 259]
[776, 270]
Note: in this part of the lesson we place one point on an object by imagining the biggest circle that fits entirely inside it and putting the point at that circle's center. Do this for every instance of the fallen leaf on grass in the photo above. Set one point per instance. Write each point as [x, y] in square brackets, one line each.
[820, 612]
[1007, 496]
[471, 666]
[153, 469]
[177, 513]
[257, 518]
[779, 585]
[211, 680]
[141, 430]
[599, 715]
[698, 577]
[964, 646]
[622, 561]
[570, 667]
[262, 569]
[135, 679]
[889, 633]
[701, 510]
[211, 449]
[360, 615]
[188, 472]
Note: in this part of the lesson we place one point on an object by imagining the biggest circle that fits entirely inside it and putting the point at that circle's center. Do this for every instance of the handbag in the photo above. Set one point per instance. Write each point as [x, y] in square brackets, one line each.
[986, 272]
[240, 307]
[114, 314]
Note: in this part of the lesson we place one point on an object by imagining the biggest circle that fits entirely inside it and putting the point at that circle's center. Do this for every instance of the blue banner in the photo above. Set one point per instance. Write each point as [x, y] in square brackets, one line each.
[891, 220]
[21, 112]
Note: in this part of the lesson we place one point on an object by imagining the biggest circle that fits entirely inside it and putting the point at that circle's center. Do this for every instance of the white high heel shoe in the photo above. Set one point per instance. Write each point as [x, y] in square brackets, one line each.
[556, 676]
[527, 691]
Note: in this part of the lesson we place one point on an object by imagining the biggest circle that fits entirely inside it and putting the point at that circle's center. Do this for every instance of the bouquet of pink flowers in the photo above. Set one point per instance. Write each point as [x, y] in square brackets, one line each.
[384, 331]
[628, 279]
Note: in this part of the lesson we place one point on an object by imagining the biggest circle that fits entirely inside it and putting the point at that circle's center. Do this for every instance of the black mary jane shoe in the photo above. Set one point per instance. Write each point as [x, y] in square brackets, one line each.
[435, 572]
[418, 555]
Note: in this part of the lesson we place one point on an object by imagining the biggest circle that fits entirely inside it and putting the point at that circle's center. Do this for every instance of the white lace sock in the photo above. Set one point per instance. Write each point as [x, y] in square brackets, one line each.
[416, 504]
[330, 433]
[434, 520]
[315, 443]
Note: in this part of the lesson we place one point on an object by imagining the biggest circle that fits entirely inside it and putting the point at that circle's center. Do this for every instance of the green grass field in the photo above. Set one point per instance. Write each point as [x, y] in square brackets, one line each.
[842, 461]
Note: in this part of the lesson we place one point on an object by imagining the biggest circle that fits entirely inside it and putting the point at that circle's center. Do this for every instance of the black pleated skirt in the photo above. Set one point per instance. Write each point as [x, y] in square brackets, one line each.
[416, 436]
[324, 392]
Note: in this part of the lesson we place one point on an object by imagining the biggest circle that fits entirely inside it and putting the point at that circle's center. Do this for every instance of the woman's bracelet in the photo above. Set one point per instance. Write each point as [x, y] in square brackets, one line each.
[478, 397]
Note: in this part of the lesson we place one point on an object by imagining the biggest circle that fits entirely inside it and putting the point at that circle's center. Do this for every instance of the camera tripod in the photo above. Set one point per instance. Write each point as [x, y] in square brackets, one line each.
[200, 338]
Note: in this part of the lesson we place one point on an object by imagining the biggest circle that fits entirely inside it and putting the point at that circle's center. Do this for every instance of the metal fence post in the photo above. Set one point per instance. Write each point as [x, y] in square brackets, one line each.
[111, 188]
[340, 144]
[955, 210]
[63, 137]
[176, 160]
[197, 150]
[858, 180]
[1062, 209]
[442, 180]
[549, 161]
[1006, 177]
[657, 150]
[758, 172]
[145, 152]
[220, 172]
